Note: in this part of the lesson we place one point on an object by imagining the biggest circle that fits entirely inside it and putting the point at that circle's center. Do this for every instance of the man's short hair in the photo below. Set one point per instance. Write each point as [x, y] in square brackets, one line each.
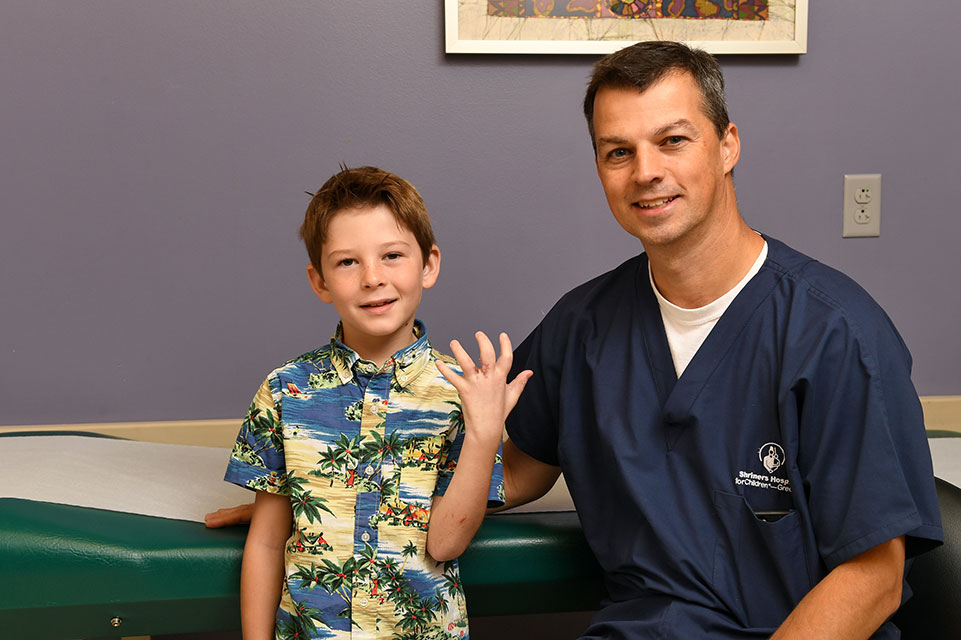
[364, 187]
[643, 64]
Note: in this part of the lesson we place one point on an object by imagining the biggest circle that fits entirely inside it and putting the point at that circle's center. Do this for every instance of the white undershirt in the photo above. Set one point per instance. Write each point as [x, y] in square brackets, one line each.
[688, 328]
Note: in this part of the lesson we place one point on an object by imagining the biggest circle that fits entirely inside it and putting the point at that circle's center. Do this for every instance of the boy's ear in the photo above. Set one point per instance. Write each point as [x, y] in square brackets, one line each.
[318, 284]
[432, 267]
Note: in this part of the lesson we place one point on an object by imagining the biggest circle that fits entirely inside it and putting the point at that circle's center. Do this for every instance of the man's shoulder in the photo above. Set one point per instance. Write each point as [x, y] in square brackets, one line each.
[809, 277]
[823, 299]
[607, 287]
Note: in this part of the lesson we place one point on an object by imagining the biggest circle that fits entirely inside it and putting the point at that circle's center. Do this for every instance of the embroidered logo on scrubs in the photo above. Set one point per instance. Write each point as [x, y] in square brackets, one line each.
[771, 456]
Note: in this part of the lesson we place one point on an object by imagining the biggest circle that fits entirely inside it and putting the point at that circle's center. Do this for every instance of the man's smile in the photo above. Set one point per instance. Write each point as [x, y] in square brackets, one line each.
[654, 204]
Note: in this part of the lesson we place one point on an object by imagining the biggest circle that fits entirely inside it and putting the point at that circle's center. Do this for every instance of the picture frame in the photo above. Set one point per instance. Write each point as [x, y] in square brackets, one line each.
[604, 26]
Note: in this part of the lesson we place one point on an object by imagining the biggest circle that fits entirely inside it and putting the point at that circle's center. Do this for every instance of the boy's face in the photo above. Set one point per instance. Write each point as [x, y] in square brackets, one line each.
[373, 274]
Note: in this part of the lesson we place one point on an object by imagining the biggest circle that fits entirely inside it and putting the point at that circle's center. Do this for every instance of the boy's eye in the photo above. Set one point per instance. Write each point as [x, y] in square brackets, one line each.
[393, 255]
[346, 262]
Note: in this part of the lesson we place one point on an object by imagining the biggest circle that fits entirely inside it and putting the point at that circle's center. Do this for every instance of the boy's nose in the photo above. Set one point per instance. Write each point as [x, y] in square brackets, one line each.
[373, 277]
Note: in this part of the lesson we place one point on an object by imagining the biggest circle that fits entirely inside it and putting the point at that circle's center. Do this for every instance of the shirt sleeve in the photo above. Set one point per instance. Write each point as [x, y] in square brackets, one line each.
[450, 455]
[863, 451]
[533, 424]
[257, 459]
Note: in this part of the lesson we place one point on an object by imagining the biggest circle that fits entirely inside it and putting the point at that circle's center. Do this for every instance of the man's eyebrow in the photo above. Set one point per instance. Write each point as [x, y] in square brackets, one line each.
[680, 123]
[612, 140]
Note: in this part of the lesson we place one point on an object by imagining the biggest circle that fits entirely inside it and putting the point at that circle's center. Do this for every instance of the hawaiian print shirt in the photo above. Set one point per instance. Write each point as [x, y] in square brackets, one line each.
[361, 450]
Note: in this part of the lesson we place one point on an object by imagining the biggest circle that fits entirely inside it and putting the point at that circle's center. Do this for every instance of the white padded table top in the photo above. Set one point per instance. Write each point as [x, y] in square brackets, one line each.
[946, 456]
[169, 481]
[185, 482]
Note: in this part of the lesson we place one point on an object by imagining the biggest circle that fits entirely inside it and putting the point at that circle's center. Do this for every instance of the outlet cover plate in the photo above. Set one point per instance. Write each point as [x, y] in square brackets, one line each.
[862, 205]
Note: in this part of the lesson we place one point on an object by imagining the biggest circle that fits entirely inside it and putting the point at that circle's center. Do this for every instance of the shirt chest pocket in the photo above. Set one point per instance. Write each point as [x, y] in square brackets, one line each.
[418, 468]
[760, 565]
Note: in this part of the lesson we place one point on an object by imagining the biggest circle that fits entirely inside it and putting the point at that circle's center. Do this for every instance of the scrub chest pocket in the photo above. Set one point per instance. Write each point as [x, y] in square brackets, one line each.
[761, 563]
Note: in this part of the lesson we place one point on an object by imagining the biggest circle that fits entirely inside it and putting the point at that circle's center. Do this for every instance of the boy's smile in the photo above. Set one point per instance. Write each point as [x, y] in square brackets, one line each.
[373, 274]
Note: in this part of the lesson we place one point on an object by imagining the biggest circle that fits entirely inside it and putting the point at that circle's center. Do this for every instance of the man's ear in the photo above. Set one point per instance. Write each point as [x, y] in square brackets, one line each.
[431, 267]
[318, 284]
[730, 147]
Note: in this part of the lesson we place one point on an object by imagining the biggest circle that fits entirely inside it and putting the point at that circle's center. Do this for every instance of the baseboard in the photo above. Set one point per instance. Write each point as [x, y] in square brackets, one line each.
[204, 433]
[940, 412]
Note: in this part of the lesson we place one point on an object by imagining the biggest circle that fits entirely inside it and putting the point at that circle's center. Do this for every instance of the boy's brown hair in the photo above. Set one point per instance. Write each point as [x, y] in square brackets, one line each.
[364, 187]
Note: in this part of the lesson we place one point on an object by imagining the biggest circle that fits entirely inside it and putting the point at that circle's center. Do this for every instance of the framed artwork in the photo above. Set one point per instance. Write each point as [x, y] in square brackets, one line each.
[603, 26]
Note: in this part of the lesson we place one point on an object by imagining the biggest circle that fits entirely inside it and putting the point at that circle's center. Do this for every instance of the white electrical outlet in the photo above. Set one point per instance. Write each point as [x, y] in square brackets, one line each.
[862, 205]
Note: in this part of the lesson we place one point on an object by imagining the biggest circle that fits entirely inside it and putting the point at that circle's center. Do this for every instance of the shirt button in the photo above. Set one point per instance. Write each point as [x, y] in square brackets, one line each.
[363, 602]
[369, 471]
[365, 536]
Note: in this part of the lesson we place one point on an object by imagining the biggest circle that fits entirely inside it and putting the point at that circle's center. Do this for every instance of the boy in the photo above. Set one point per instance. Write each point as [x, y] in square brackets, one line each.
[359, 516]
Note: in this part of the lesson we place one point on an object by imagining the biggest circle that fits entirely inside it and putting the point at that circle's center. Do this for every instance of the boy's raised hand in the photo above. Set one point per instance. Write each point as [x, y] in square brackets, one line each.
[486, 396]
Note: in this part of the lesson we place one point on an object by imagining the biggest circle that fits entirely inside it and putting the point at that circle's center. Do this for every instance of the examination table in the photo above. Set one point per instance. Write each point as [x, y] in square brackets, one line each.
[69, 572]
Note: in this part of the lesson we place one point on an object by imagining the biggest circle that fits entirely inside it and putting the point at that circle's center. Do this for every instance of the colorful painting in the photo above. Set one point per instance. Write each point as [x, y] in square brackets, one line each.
[602, 26]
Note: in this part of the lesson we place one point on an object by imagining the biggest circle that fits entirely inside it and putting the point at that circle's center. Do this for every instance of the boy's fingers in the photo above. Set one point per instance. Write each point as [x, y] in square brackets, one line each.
[507, 352]
[519, 382]
[487, 354]
[463, 358]
[514, 389]
[449, 373]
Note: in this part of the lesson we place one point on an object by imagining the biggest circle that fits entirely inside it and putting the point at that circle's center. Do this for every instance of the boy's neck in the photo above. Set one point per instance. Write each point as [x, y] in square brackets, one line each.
[380, 349]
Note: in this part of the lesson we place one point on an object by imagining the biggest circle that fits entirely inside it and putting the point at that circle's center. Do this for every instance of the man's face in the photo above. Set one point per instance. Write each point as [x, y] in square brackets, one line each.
[664, 171]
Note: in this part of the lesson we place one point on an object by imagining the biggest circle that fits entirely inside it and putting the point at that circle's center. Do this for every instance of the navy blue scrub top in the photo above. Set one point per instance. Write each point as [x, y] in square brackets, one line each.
[793, 441]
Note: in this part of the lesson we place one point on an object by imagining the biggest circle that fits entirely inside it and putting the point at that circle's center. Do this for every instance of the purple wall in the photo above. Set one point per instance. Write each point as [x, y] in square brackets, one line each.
[155, 157]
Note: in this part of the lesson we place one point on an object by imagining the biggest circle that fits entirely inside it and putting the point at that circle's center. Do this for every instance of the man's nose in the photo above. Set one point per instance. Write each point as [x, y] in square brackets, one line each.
[648, 166]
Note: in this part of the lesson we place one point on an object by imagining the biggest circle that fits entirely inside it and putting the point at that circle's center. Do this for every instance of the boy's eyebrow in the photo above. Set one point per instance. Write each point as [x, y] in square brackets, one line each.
[386, 245]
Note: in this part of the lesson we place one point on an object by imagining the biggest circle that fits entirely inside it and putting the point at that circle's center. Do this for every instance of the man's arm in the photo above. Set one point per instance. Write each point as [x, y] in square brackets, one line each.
[228, 516]
[525, 478]
[853, 600]
[262, 571]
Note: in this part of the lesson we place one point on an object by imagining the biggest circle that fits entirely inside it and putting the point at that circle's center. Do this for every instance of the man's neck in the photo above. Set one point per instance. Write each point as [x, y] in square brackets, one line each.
[705, 268]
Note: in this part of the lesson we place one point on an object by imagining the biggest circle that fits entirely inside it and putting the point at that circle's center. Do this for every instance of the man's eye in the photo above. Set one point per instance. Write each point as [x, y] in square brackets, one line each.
[675, 140]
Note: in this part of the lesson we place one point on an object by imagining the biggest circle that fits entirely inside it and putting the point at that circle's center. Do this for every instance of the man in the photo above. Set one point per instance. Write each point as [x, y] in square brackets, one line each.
[735, 421]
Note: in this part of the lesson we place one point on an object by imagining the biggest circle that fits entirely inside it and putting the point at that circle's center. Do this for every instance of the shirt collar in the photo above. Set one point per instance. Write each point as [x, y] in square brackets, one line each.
[406, 363]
